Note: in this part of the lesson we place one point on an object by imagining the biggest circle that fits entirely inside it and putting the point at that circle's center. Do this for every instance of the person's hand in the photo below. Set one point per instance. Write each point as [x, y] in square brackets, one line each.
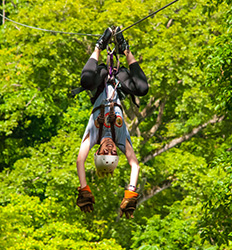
[122, 43]
[128, 204]
[85, 199]
[104, 39]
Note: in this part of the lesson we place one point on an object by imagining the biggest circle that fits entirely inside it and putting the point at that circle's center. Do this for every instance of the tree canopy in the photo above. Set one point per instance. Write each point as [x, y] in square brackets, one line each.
[181, 132]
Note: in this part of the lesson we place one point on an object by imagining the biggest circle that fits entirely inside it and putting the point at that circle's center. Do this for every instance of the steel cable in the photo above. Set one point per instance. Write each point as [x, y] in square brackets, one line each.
[53, 31]
[83, 34]
[153, 13]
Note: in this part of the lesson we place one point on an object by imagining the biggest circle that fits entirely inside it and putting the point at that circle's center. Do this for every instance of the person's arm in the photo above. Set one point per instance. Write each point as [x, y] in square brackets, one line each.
[129, 202]
[133, 162]
[83, 153]
[85, 198]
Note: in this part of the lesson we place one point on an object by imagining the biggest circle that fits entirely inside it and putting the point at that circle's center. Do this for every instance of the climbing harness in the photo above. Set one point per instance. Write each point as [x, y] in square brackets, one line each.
[110, 80]
[111, 118]
[112, 71]
[111, 53]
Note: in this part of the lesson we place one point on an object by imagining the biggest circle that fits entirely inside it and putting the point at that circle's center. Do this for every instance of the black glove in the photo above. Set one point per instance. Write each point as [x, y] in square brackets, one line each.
[85, 199]
[122, 43]
[104, 39]
[128, 204]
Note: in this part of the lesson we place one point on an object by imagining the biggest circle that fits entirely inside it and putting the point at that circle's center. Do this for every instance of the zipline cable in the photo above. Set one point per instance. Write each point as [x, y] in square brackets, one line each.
[153, 13]
[83, 34]
[52, 31]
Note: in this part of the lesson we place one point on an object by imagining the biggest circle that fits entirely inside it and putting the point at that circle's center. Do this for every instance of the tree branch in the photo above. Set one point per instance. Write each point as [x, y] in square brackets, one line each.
[155, 190]
[128, 112]
[183, 138]
[153, 130]
[34, 96]
[147, 111]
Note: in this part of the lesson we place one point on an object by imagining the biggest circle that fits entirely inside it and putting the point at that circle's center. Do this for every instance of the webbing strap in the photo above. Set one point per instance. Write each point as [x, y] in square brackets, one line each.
[101, 119]
[111, 70]
[115, 104]
[112, 118]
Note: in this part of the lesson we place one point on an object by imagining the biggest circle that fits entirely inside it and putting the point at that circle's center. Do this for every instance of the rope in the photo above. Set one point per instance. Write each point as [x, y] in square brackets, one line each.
[52, 31]
[153, 13]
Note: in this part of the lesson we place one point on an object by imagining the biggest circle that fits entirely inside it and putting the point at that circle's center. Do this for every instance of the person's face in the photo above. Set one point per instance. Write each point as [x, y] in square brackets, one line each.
[107, 147]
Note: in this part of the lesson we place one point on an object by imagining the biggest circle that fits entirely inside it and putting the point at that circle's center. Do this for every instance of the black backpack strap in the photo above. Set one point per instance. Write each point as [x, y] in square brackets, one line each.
[134, 101]
[77, 91]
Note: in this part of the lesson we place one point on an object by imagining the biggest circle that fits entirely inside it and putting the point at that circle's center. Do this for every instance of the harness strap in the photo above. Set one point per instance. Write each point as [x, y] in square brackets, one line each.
[112, 118]
[101, 119]
[115, 105]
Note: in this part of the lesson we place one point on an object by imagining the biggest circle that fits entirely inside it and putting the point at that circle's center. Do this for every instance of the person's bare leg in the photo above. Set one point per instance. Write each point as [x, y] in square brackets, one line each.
[129, 57]
[96, 53]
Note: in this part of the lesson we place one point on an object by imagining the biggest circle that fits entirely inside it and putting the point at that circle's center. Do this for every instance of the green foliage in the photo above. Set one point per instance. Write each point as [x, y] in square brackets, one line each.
[218, 69]
[215, 224]
[175, 231]
[26, 223]
[212, 5]
[218, 64]
[203, 217]
[185, 51]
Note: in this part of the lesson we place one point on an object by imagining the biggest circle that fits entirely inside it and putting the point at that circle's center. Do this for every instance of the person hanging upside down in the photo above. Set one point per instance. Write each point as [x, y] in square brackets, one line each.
[106, 125]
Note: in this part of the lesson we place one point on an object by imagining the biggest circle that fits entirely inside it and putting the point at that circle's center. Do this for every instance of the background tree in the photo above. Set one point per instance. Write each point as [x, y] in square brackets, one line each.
[181, 132]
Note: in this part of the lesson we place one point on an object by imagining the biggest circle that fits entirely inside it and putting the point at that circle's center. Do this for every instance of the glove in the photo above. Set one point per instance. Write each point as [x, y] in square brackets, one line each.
[122, 43]
[128, 204]
[104, 39]
[85, 199]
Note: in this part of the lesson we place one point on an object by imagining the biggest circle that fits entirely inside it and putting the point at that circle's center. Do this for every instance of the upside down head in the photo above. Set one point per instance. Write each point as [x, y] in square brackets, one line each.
[106, 158]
